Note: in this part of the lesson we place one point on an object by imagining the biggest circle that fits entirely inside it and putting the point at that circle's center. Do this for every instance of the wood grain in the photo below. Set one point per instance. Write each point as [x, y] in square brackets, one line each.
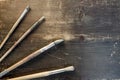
[90, 29]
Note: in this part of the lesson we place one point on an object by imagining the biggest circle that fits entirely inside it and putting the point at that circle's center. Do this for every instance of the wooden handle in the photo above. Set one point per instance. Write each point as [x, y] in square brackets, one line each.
[27, 9]
[31, 56]
[21, 38]
[44, 74]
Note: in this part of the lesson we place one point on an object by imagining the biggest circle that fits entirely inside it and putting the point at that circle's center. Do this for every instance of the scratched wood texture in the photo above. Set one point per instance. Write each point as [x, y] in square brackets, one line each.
[91, 29]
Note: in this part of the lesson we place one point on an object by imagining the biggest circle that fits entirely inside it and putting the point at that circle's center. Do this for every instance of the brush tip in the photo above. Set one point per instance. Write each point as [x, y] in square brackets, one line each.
[70, 68]
[41, 19]
[28, 7]
[59, 41]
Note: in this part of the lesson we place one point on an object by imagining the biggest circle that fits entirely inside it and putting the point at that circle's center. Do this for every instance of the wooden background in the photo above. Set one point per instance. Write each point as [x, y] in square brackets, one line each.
[91, 29]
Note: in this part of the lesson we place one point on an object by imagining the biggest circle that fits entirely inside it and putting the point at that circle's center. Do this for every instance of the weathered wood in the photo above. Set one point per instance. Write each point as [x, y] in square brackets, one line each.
[91, 29]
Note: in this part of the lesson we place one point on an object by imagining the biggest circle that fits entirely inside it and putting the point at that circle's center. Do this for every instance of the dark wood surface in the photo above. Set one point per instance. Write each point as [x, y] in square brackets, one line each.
[90, 29]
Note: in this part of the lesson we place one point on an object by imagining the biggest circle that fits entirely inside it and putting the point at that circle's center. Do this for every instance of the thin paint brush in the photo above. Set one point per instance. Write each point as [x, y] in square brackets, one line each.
[22, 37]
[27, 9]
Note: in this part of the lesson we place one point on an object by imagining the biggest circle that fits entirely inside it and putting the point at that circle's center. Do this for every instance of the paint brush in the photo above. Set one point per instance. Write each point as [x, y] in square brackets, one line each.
[27, 9]
[31, 56]
[22, 37]
[44, 74]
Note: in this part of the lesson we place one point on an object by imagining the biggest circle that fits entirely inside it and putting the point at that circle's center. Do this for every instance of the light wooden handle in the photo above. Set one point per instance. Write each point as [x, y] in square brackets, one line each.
[27, 9]
[31, 56]
[22, 37]
[44, 74]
